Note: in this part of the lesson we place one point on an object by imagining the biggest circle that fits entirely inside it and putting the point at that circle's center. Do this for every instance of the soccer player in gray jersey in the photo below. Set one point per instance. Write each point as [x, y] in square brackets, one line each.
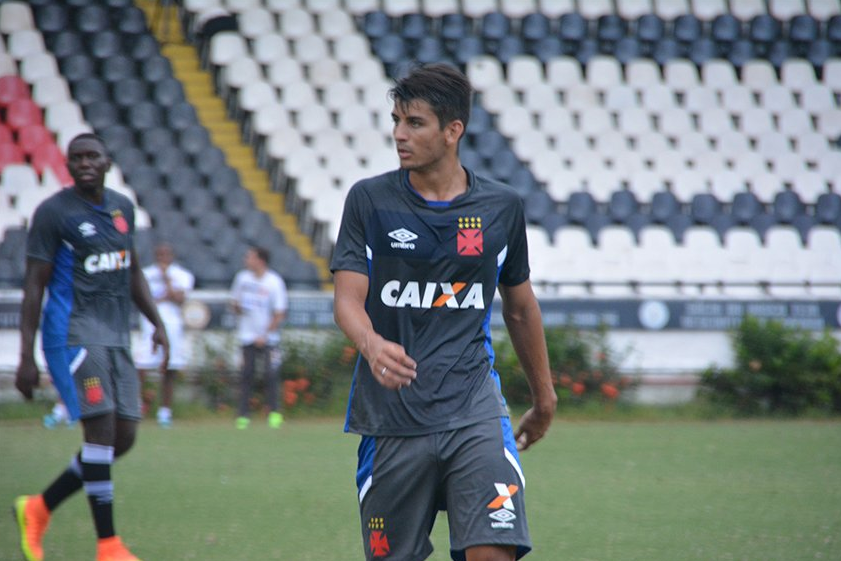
[420, 254]
[80, 249]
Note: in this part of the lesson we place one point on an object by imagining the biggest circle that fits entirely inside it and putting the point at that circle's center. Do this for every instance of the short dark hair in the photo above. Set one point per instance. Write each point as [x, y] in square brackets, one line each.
[90, 136]
[445, 88]
[262, 253]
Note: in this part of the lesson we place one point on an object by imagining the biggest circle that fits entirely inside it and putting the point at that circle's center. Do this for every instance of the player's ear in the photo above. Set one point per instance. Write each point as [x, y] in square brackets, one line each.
[453, 131]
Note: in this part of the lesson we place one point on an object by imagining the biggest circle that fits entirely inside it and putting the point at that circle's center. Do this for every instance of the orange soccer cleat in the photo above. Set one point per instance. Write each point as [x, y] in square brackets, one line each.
[113, 549]
[33, 518]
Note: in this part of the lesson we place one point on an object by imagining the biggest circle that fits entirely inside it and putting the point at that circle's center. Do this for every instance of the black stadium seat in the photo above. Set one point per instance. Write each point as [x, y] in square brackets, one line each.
[665, 50]
[547, 48]
[508, 48]
[537, 205]
[580, 207]
[726, 29]
[92, 19]
[622, 205]
[650, 28]
[52, 18]
[143, 47]
[129, 92]
[155, 139]
[740, 52]
[703, 50]
[828, 208]
[414, 27]
[572, 27]
[686, 28]
[376, 25]
[745, 206]
[787, 206]
[106, 44]
[802, 30]
[77, 67]
[535, 27]
[494, 27]
[664, 205]
[90, 90]
[627, 49]
[101, 114]
[764, 30]
[65, 43]
[430, 49]
[704, 207]
[610, 28]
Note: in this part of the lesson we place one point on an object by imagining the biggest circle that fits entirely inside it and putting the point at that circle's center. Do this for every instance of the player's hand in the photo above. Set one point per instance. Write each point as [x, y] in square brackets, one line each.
[160, 340]
[533, 425]
[390, 365]
[27, 377]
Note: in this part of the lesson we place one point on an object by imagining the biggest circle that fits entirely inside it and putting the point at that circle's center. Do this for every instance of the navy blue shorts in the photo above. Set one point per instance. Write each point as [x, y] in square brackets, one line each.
[473, 473]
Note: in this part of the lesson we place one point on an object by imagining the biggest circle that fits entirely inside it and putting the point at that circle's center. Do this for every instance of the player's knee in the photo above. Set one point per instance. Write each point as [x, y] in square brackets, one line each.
[491, 553]
[126, 437]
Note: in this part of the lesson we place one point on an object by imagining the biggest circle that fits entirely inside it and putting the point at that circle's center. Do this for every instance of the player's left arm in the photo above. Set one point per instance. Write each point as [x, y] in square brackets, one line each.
[523, 319]
[142, 298]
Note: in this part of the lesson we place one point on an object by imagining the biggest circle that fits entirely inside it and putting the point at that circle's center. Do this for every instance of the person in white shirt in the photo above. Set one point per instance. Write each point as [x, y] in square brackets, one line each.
[260, 301]
[170, 284]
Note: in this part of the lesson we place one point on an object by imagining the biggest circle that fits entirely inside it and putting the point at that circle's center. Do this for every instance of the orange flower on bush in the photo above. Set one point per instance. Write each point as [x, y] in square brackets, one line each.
[348, 354]
[610, 391]
[578, 388]
[565, 380]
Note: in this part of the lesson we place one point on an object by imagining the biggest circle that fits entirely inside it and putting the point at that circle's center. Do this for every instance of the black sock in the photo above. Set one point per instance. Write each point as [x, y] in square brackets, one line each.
[96, 475]
[65, 485]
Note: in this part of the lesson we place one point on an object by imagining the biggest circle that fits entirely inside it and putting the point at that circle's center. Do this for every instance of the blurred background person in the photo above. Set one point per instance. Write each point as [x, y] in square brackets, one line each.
[259, 299]
[170, 283]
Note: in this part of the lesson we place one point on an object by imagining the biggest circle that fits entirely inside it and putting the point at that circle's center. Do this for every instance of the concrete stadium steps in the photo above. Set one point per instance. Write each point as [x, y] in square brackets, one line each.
[225, 133]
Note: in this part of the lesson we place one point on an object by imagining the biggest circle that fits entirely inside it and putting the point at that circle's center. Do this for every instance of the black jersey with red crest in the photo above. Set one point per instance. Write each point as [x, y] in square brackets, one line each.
[433, 269]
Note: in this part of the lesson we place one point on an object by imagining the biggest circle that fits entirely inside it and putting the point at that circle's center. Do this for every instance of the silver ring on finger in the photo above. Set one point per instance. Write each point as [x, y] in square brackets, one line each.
[382, 372]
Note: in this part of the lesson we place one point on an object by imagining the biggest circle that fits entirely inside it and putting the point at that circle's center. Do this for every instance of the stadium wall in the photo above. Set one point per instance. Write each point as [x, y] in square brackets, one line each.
[665, 343]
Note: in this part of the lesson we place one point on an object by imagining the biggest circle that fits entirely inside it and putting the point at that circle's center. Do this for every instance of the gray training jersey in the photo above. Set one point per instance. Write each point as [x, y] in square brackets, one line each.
[433, 269]
[89, 294]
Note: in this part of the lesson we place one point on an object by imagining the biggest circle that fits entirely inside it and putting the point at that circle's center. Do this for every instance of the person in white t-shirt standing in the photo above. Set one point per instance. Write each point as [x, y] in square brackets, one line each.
[259, 298]
[169, 284]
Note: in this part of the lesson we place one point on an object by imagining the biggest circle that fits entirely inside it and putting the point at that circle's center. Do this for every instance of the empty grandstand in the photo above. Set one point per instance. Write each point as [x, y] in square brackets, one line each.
[671, 149]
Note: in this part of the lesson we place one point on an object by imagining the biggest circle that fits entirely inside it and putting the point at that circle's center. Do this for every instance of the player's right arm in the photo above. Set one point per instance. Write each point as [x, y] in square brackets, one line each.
[37, 275]
[351, 289]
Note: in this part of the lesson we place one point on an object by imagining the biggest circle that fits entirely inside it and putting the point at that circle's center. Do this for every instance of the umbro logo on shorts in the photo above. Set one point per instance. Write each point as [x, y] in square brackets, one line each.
[503, 515]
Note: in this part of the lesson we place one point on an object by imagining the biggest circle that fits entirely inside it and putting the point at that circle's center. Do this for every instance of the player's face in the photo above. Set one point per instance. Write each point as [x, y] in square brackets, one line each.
[88, 163]
[420, 142]
[164, 255]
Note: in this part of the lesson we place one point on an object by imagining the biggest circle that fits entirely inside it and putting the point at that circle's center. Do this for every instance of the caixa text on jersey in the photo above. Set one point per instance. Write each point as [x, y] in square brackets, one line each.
[414, 294]
[106, 262]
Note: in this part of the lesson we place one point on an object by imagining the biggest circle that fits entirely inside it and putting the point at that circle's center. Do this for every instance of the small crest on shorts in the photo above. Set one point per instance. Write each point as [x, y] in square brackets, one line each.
[120, 222]
[377, 540]
[93, 390]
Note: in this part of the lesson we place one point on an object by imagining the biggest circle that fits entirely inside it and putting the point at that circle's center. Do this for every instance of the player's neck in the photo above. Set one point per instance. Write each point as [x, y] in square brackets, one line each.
[442, 183]
[93, 195]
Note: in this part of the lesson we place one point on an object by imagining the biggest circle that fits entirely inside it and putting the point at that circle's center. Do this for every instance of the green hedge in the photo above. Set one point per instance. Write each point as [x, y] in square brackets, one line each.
[778, 370]
[317, 369]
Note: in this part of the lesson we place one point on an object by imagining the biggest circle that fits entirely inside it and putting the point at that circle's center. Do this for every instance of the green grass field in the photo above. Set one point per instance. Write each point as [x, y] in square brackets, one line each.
[647, 491]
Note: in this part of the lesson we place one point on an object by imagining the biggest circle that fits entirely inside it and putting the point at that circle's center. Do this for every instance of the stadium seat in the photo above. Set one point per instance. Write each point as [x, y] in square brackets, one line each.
[15, 16]
[23, 112]
[572, 27]
[12, 88]
[764, 30]
[21, 43]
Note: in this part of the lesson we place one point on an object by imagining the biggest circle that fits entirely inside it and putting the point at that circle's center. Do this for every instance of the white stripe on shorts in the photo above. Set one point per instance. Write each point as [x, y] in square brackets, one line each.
[78, 360]
[513, 461]
[365, 486]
